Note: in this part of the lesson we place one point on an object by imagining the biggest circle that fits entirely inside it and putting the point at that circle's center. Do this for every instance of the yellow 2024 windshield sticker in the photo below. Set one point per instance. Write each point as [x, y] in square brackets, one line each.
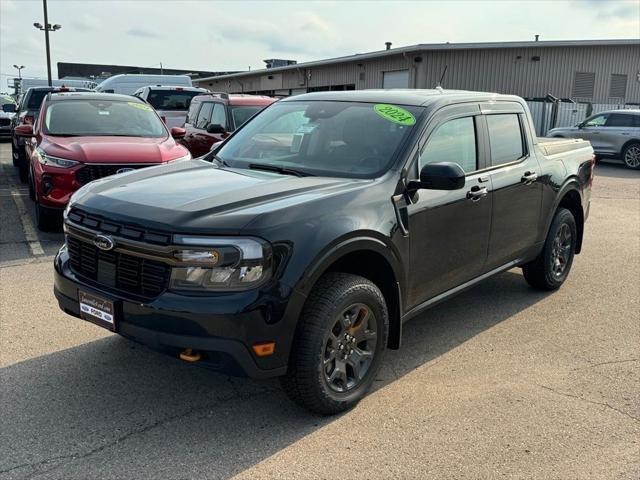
[141, 106]
[395, 114]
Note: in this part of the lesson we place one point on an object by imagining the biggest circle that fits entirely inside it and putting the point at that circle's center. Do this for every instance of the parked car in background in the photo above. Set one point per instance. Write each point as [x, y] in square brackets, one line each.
[615, 133]
[172, 103]
[212, 117]
[80, 137]
[8, 109]
[27, 83]
[28, 108]
[318, 228]
[127, 84]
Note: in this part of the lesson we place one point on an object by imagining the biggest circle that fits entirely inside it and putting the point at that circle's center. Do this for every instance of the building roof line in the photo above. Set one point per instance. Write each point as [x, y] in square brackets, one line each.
[422, 47]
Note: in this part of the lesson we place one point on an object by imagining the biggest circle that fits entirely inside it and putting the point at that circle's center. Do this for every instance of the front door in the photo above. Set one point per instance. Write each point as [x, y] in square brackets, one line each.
[449, 230]
[592, 130]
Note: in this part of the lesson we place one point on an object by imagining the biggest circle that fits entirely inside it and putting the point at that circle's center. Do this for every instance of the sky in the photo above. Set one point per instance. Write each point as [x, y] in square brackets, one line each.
[235, 35]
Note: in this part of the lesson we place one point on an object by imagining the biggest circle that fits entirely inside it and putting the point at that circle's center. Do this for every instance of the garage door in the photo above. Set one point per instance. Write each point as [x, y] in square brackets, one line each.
[397, 79]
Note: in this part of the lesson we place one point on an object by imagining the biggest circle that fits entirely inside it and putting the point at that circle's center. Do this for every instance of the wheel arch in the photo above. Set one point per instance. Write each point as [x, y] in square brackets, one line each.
[629, 142]
[571, 199]
[372, 259]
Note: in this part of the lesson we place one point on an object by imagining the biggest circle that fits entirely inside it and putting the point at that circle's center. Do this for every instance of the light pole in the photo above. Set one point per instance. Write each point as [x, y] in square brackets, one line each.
[47, 27]
[19, 68]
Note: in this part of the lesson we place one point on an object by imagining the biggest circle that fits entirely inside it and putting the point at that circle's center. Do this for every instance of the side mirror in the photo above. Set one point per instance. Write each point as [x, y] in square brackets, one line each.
[580, 125]
[178, 132]
[9, 108]
[24, 130]
[215, 128]
[439, 176]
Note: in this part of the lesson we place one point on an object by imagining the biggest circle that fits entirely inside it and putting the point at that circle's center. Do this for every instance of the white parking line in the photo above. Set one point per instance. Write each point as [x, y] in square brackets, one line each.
[29, 229]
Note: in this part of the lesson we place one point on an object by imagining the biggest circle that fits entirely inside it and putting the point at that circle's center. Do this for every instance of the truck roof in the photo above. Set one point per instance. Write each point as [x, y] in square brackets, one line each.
[414, 97]
[62, 96]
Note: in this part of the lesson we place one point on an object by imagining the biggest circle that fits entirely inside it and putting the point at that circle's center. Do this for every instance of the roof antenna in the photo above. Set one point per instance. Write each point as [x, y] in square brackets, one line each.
[439, 85]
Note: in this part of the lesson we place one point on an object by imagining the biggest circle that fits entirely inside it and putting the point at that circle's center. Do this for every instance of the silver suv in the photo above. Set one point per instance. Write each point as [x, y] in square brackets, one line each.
[615, 133]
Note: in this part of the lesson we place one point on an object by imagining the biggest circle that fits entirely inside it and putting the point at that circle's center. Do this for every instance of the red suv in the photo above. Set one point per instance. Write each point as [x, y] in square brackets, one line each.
[80, 137]
[213, 116]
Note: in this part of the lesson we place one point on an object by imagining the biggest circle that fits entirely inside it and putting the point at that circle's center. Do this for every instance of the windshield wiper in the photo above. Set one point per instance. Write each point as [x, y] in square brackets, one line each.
[277, 169]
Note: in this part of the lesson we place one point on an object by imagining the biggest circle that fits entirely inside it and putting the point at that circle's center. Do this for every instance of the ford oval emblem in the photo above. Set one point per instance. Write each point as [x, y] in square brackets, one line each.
[104, 242]
[124, 170]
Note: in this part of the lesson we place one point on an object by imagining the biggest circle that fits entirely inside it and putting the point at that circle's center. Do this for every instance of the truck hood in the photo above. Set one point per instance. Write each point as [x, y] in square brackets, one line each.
[197, 197]
[113, 149]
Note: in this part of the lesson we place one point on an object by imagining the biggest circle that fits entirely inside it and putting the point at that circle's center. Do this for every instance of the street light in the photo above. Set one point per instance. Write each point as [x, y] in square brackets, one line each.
[46, 28]
[19, 68]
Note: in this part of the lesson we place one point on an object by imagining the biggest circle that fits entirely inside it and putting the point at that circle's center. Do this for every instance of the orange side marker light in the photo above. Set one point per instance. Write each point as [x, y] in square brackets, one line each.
[264, 349]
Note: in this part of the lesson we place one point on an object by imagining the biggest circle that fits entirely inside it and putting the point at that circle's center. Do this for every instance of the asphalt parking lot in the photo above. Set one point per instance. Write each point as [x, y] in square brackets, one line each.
[500, 382]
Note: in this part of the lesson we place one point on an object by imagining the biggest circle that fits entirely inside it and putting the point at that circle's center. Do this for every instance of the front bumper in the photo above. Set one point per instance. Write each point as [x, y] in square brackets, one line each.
[223, 328]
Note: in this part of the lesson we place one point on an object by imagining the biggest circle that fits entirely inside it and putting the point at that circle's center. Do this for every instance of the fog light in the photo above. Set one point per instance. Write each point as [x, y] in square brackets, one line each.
[47, 185]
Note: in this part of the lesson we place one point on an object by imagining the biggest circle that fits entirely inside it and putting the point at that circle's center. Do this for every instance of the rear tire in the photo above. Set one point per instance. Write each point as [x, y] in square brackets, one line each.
[551, 267]
[15, 154]
[339, 344]
[631, 156]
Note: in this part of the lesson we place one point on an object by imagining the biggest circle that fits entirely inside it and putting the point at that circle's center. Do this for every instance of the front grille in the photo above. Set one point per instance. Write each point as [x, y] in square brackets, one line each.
[5, 122]
[89, 173]
[100, 224]
[129, 274]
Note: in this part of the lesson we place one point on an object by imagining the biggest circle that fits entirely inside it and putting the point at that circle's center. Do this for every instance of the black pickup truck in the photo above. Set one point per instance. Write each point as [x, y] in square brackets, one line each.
[300, 246]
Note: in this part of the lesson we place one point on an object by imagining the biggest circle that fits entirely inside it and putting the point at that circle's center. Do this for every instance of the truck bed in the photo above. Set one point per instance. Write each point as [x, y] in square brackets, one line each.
[555, 146]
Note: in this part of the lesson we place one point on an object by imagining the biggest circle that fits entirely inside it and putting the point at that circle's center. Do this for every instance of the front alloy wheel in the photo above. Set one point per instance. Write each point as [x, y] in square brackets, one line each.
[339, 344]
[350, 348]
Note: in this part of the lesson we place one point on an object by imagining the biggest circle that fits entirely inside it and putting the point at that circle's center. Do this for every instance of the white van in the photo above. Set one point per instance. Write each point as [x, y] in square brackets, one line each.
[127, 84]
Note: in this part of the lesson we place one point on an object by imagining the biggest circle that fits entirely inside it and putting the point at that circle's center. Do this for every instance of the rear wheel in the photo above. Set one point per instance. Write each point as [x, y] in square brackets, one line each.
[15, 154]
[339, 344]
[631, 156]
[551, 267]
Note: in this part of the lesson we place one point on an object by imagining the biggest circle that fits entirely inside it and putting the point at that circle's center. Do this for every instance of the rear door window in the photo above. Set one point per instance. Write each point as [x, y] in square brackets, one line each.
[505, 138]
[620, 120]
[204, 115]
[453, 141]
[219, 115]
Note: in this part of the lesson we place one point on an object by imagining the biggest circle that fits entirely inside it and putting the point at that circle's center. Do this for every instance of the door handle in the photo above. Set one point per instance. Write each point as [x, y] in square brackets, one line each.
[476, 193]
[529, 177]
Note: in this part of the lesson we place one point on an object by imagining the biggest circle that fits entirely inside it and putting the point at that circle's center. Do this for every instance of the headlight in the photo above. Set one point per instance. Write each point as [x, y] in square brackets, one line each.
[220, 264]
[50, 161]
[186, 157]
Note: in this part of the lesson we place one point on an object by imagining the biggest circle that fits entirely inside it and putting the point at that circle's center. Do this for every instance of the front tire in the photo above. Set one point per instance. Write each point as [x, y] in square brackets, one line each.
[339, 344]
[551, 267]
[47, 220]
[631, 156]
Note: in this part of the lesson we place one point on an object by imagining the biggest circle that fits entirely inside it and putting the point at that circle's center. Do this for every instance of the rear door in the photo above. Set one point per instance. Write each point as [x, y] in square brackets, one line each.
[515, 178]
[196, 138]
[619, 129]
[449, 230]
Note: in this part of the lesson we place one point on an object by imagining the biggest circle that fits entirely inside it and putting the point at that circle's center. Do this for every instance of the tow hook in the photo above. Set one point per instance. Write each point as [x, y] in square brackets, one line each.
[188, 355]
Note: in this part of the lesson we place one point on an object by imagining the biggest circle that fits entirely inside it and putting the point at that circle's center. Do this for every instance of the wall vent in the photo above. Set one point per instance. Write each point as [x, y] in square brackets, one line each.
[583, 84]
[618, 86]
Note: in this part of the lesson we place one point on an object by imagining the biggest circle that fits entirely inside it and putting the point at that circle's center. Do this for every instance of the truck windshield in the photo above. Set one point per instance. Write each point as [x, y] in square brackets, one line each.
[102, 118]
[329, 138]
[171, 100]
